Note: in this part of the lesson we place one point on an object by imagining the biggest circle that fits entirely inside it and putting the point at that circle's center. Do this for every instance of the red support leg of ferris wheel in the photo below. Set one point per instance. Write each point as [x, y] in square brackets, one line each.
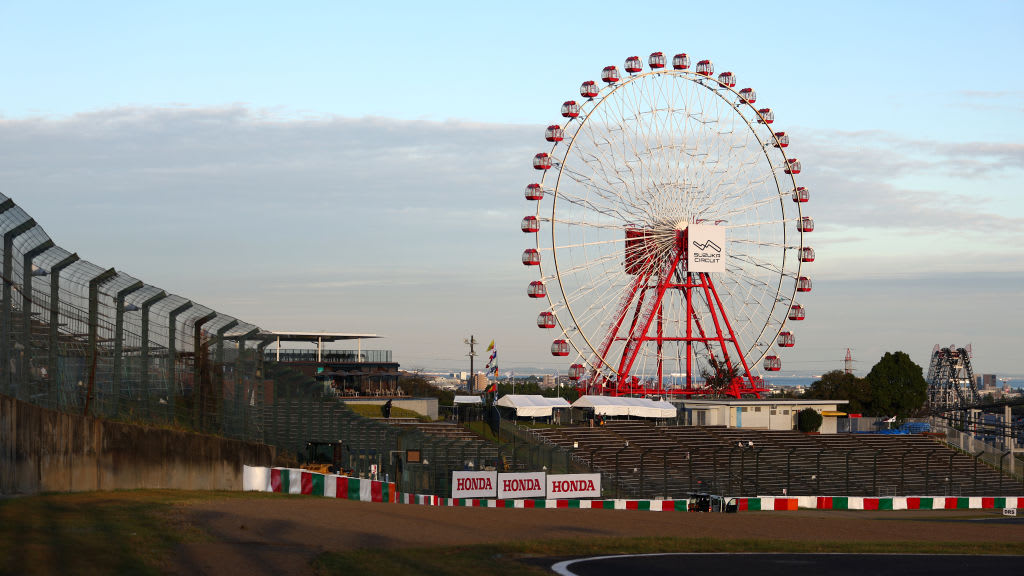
[692, 286]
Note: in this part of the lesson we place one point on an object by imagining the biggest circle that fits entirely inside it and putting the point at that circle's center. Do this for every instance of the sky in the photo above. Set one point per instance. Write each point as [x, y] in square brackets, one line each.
[359, 167]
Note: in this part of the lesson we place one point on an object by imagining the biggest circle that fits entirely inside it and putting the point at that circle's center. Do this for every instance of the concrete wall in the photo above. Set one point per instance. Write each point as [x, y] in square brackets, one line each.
[425, 406]
[42, 450]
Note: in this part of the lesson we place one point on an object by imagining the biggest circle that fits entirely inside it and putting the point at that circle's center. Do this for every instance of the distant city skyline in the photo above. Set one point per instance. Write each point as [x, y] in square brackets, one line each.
[360, 168]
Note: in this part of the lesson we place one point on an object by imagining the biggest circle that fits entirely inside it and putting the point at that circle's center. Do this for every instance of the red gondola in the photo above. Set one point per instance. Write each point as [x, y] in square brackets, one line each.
[807, 254]
[705, 68]
[530, 225]
[576, 371]
[805, 224]
[542, 161]
[748, 95]
[537, 289]
[772, 363]
[765, 116]
[554, 133]
[781, 140]
[681, 61]
[786, 340]
[534, 192]
[589, 89]
[656, 60]
[727, 79]
[792, 166]
[801, 194]
[803, 284]
[546, 320]
[797, 312]
[610, 74]
[559, 348]
[531, 257]
[570, 109]
[634, 64]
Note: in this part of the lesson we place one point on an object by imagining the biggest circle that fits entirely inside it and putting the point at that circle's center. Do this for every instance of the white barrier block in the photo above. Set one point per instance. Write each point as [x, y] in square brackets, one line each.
[855, 503]
[807, 502]
[899, 503]
[974, 503]
[255, 478]
[365, 490]
[330, 486]
[294, 481]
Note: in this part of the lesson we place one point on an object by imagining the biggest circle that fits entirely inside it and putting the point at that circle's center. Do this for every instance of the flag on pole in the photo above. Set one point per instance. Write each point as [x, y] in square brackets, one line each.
[490, 346]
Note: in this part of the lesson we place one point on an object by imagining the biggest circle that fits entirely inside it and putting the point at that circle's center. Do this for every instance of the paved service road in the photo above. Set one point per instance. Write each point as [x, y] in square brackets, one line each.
[790, 565]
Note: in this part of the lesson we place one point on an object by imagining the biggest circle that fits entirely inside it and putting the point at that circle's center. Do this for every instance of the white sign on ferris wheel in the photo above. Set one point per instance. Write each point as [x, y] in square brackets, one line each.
[706, 250]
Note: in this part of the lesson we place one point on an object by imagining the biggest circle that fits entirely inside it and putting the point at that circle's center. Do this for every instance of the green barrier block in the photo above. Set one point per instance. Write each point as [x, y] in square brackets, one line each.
[574, 504]
[1000, 503]
[753, 503]
[926, 504]
[608, 505]
[318, 485]
[885, 503]
[840, 503]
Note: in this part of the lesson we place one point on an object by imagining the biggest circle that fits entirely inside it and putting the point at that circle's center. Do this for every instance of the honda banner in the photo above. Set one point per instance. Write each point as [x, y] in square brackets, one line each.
[706, 248]
[574, 486]
[521, 485]
[474, 484]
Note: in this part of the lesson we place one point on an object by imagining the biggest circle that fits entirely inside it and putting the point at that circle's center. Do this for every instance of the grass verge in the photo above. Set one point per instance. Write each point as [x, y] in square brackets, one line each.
[123, 532]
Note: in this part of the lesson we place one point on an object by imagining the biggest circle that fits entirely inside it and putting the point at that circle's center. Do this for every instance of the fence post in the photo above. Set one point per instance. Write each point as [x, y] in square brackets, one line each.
[789, 469]
[51, 365]
[172, 359]
[643, 454]
[119, 340]
[94, 313]
[144, 354]
[927, 471]
[8, 305]
[26, 304]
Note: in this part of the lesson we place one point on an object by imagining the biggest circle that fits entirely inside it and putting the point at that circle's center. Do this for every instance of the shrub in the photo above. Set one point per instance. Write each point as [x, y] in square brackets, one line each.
[808, 420]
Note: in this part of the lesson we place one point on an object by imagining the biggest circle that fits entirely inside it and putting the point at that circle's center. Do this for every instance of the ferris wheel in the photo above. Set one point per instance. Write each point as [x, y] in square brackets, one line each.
[669, 233]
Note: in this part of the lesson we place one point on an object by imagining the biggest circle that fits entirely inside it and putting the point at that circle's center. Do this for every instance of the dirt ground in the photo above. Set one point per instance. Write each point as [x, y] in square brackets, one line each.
[281, 536]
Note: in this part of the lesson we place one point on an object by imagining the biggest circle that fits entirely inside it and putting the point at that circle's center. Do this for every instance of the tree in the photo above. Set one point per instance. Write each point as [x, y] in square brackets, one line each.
[897, 385]
[838, 385]
[808, 420]
[719, 375]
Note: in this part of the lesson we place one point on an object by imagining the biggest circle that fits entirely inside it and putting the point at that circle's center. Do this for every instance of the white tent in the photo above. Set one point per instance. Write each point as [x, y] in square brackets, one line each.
[624, 406]
[469, 400]
[532, 405]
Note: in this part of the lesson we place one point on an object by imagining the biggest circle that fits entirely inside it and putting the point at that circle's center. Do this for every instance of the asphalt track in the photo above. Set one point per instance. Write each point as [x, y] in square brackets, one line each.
[790, 565]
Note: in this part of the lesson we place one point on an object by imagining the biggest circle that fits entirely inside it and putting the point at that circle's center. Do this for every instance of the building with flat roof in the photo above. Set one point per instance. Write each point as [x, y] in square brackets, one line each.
[765, 414]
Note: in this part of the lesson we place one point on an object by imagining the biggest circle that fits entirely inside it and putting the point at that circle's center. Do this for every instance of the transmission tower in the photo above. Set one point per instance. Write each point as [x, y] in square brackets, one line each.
[951, 378]
[848, 363]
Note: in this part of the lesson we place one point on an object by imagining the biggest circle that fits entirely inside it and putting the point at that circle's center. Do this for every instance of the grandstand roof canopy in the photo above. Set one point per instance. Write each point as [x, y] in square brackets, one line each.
[532, 405]
[314, 337]
[625, 406]
[318, 338]
[469, 400]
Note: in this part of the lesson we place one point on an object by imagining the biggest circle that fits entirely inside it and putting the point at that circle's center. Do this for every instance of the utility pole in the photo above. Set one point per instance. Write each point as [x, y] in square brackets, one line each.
[471, 341]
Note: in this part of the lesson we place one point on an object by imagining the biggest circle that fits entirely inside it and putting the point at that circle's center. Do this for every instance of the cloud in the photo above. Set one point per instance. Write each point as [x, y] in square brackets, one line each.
[411, 228]
[873, 179]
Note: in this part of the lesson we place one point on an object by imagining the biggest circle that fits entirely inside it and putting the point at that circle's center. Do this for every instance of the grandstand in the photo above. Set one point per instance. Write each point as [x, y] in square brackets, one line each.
[646, 461]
